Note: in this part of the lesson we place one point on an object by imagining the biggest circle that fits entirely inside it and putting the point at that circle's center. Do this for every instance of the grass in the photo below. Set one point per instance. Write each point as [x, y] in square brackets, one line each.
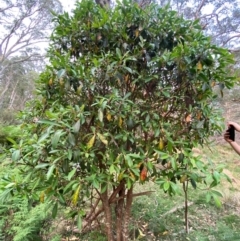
[206, 221]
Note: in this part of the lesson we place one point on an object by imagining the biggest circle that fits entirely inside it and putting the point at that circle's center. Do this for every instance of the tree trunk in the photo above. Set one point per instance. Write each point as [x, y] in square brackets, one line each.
[13, 95]
[119, 214]
[129, 200]
[108, 215]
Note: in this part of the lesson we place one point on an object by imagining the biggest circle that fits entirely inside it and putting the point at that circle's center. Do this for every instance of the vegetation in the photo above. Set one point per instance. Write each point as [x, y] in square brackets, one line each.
[25, 25]
[125, 98]
[125, 101]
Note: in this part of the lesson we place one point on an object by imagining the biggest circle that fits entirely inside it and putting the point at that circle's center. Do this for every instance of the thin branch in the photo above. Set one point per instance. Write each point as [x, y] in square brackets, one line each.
[199, 9]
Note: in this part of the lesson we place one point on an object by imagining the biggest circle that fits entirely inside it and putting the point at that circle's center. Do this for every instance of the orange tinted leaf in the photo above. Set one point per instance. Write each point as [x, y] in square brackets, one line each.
[188, 118]
[143, 174]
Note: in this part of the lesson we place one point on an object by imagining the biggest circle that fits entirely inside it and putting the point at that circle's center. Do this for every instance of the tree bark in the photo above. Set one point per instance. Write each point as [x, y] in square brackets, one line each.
[129, 200]
[119, 214]
[13, 95]
[108, 215]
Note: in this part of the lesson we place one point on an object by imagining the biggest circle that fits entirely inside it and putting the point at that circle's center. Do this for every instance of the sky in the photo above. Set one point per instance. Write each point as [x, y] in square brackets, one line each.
[68, 5]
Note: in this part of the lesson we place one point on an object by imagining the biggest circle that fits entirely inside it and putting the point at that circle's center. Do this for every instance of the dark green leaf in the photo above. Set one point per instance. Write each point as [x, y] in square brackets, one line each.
[55, 210]
[55, 138]
[193, 183]
[71, 139]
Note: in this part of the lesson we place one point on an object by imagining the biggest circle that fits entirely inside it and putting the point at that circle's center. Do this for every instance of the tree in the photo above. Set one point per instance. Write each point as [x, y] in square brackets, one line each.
[126, 96]
[25, 25]
[219, 19]
[17, 77]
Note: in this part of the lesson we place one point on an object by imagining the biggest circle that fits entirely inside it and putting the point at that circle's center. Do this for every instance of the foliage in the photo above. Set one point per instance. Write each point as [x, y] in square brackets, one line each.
[8, 135]
[127, 94]
[21, 218]
[21, 222]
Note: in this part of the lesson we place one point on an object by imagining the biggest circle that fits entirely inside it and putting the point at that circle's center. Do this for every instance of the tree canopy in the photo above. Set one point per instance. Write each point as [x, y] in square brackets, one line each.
[25, 26]
[125, 97]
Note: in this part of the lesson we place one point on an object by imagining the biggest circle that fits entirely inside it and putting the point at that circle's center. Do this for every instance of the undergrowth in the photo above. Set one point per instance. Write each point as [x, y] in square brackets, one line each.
[21, 222]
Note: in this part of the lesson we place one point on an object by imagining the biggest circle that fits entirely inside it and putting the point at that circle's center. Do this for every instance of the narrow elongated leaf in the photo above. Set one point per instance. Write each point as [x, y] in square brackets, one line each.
[217, 201]
[55, 210]
[91, 142]
[76, 127]
[69, 186]
[118, 52]
[71, 174]
[71, 139]
[69, 155]
[55, 138]
[43, 137]
[50, 171]
[42, 196]
[76, 195]
[194, 184]
[128, 69]
[79, 221]
[10, 185]
[102, 138]
[216, 176]
[42, 165]
[11, 140]
[48, 122]
[61, 199]
[100, 115]
[174, 163]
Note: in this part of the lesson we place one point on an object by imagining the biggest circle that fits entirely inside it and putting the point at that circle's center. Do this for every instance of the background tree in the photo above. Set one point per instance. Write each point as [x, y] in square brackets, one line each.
[219, 19]
[25, 26]
[125, 98]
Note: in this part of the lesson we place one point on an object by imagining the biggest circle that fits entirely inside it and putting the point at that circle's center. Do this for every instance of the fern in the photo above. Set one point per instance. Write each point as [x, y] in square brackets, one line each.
[26, 224]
